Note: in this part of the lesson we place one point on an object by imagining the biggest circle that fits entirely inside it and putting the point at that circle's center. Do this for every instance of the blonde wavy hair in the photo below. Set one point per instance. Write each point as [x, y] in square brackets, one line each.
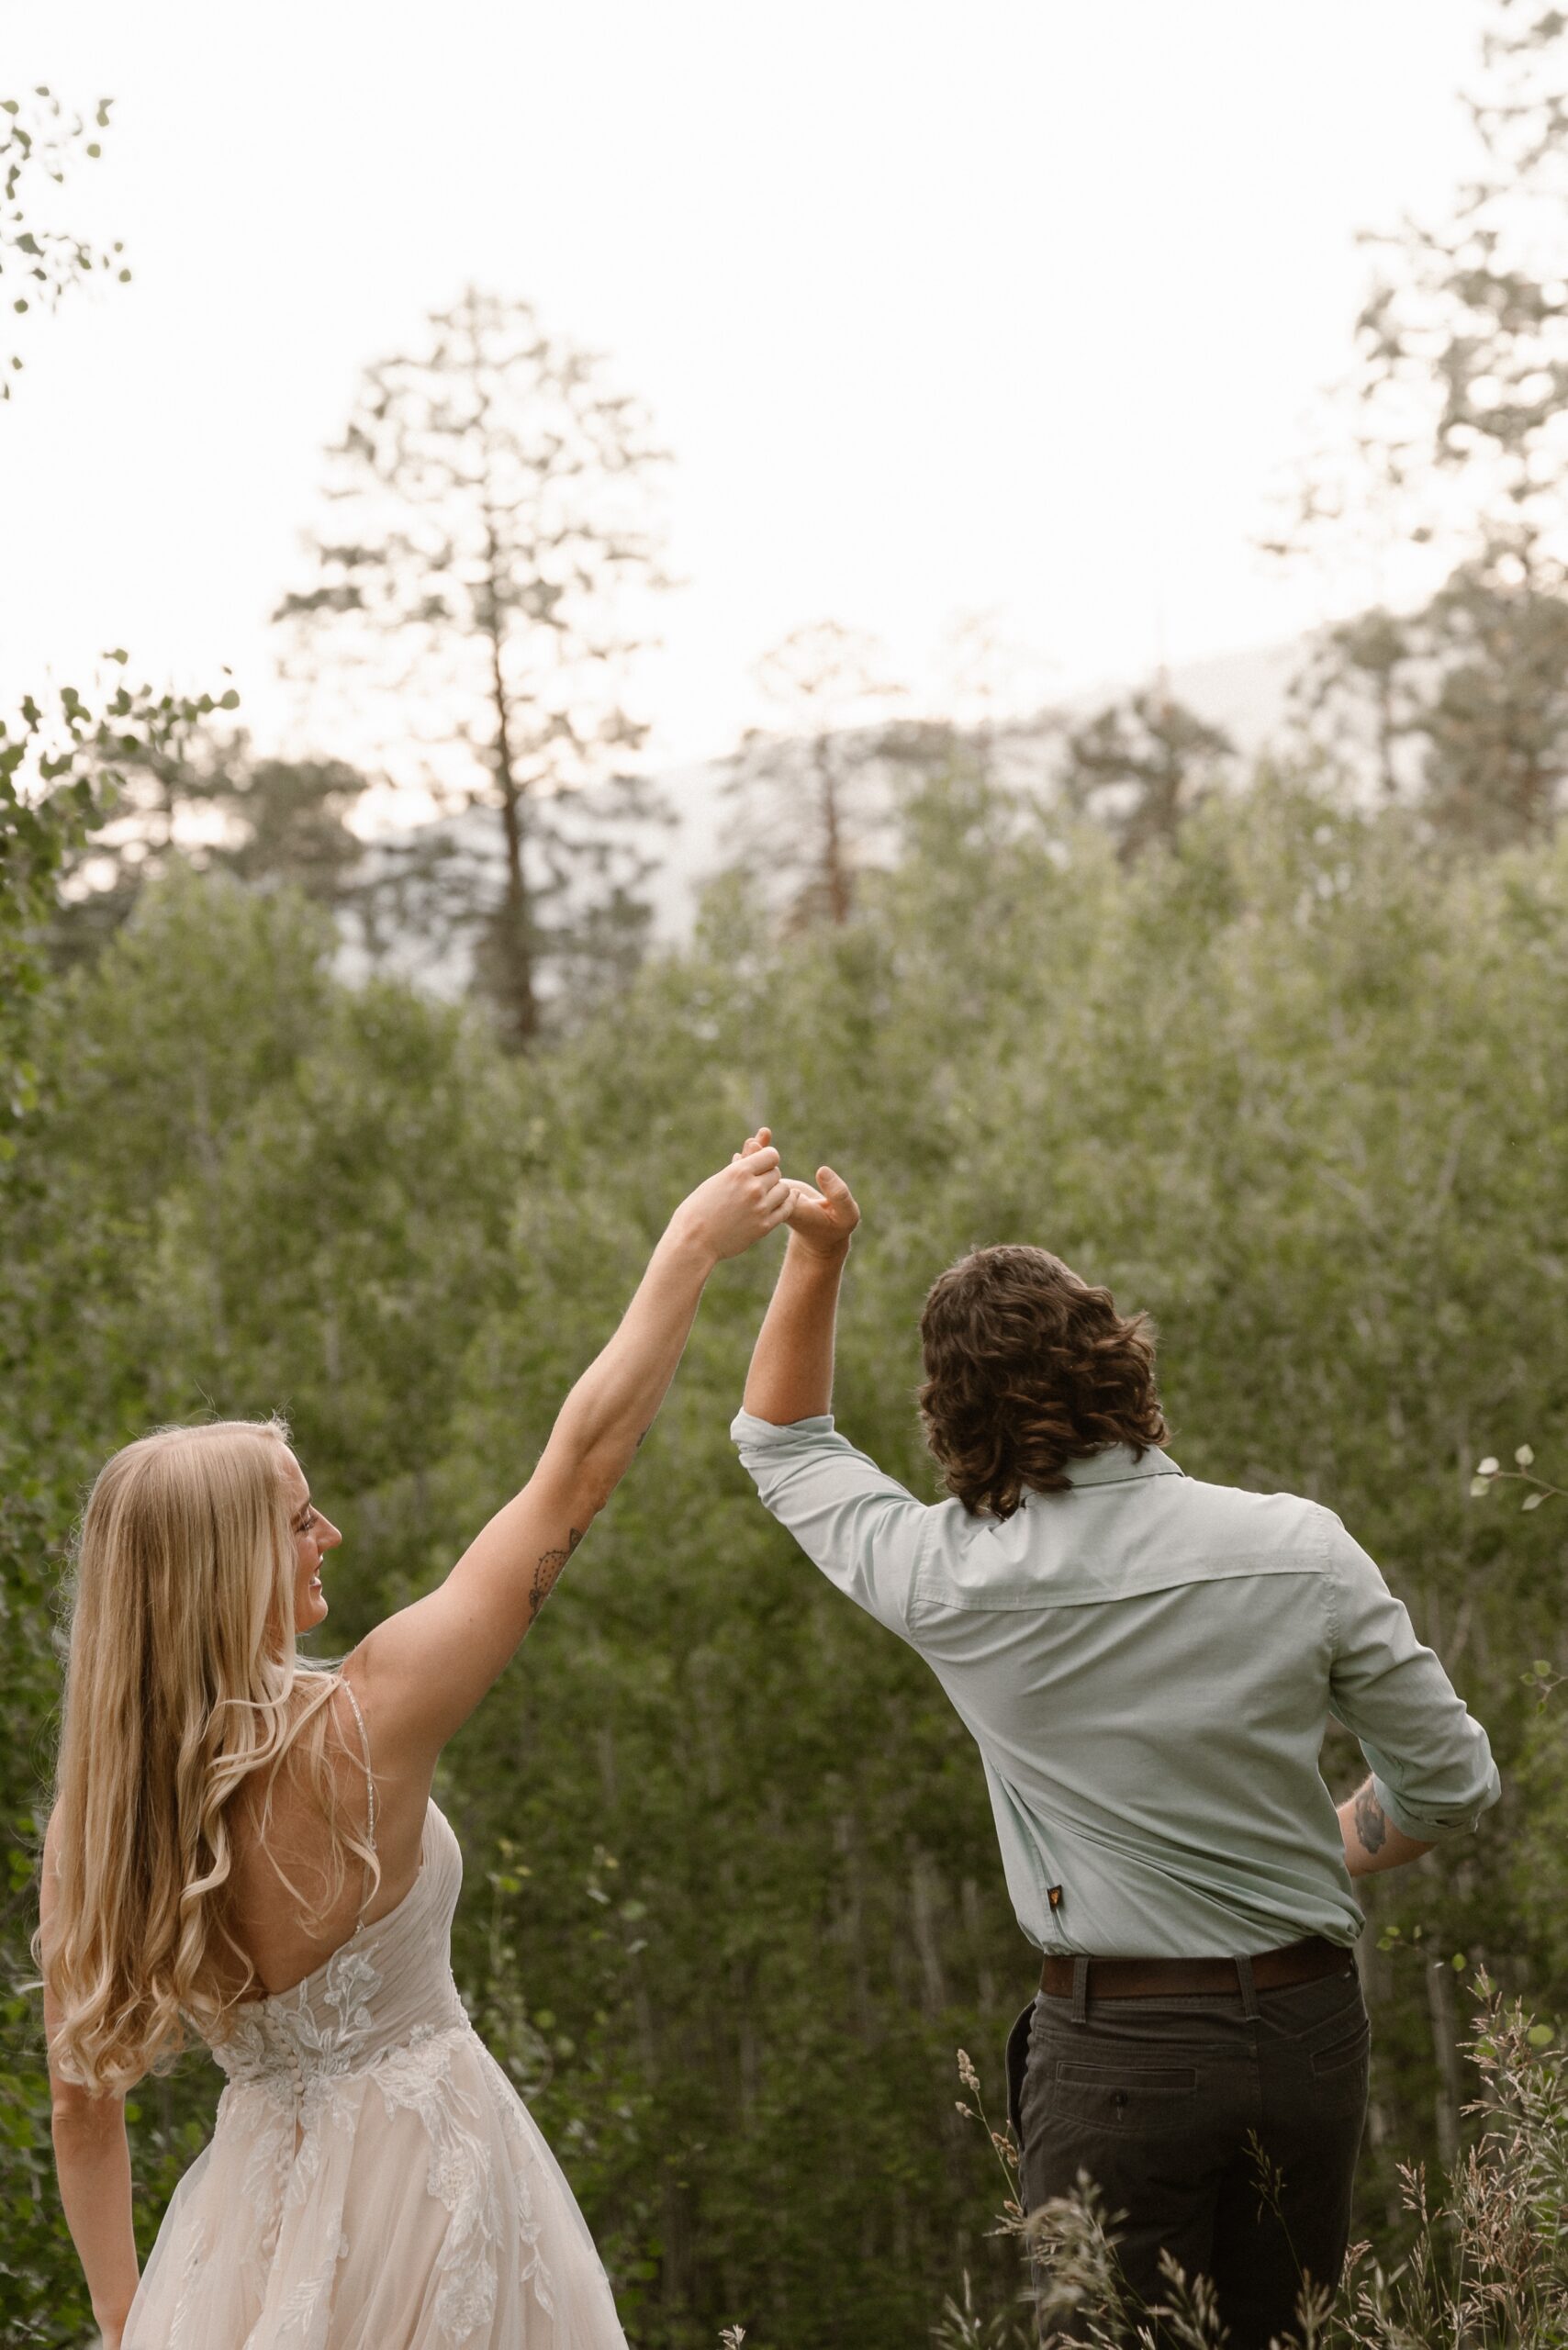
[183, 1684]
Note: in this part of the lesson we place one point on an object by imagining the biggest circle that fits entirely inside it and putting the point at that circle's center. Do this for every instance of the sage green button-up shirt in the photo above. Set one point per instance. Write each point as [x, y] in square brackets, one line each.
[1147, 1665]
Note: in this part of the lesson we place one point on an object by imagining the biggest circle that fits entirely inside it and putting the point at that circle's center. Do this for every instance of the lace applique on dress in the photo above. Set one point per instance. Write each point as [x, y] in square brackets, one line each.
[306, 2222]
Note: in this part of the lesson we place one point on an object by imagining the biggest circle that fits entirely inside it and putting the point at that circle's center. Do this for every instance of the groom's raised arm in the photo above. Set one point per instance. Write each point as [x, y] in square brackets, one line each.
[792, 1364]
[859, 1526]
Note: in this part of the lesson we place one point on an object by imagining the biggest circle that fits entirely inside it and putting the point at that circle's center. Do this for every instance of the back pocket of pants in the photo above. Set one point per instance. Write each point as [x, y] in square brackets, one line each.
[1340, 2054]
[1339, 2071]
[1142, 2098]
[1340, 2061]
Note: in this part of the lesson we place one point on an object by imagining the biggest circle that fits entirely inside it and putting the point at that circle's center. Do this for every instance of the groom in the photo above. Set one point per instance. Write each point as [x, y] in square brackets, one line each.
[1147, 1665]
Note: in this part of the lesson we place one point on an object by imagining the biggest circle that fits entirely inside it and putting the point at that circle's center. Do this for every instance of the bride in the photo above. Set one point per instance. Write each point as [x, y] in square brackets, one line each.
[244, 1843]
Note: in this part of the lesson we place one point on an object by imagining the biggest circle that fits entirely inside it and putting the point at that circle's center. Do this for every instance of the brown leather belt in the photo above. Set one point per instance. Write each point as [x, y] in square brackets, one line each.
[1158, 1978]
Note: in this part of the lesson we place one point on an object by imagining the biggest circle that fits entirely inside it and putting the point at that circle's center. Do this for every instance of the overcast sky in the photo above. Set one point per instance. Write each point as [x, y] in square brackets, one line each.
[994, 305]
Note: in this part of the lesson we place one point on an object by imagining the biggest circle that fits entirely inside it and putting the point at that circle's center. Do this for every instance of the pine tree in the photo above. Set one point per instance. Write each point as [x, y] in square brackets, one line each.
[1141, 766]
[497, 539]
[812, 790]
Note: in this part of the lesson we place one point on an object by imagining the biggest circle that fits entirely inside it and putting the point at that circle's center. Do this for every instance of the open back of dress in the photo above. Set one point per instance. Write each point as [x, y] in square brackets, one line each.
[373, 2181]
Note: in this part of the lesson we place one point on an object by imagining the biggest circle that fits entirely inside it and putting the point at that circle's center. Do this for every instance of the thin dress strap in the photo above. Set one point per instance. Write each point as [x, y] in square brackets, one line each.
[347, 1688]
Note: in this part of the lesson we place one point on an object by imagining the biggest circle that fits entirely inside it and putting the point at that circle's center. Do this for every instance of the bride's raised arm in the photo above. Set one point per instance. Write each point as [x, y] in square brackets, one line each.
[427, 1667]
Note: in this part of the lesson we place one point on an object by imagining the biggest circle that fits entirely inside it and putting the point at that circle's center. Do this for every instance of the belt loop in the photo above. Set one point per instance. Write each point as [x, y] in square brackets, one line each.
[1080, 1990]
[1250, 2008]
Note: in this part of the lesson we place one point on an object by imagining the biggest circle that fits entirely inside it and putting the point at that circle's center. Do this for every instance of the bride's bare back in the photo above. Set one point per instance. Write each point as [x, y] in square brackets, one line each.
[287, 1935]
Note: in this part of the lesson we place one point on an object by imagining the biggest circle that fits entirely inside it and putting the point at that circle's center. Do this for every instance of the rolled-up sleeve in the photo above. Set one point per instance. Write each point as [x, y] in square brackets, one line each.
[858, 1524]
[1431, 1760]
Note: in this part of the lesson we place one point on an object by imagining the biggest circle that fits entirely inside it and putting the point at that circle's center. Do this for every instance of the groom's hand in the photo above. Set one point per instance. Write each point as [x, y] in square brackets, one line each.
[791, 1365]
[822, 1222]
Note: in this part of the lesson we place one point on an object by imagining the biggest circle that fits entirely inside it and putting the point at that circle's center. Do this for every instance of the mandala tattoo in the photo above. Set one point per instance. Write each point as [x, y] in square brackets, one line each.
[550, 1565]
[1372, 1825]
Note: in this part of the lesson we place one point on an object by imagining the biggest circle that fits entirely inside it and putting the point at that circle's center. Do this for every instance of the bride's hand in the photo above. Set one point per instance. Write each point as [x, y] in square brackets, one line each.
[739, 1203]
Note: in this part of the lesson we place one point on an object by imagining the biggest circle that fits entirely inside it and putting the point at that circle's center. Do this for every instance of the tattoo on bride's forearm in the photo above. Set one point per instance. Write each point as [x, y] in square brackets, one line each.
[550, 1565]
[1371, 1824]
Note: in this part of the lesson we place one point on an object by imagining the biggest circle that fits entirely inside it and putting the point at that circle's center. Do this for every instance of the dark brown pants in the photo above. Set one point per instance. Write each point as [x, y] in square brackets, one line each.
[1158, 2101]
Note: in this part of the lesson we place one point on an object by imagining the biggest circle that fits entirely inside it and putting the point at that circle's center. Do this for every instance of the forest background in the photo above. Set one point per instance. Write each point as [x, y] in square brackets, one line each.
[1272, 1045]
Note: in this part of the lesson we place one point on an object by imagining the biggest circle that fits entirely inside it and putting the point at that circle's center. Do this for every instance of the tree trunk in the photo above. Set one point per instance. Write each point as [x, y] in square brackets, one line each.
[836, 886]
[1386, 730]
[924, 1900]
[852, 1927]
[1445, 2047]
[985, 1981]
[516, 935]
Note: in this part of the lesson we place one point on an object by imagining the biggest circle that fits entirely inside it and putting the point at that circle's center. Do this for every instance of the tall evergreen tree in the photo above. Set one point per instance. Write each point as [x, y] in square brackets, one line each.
[1141, 766]
[811, 790]
[496, 537]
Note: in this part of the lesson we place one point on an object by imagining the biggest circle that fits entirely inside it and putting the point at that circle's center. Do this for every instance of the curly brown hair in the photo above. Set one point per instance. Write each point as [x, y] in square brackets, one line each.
[1027, 1368]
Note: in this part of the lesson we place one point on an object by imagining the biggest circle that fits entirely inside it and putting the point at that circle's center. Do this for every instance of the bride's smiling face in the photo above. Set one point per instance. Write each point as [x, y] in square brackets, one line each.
[314, 1536]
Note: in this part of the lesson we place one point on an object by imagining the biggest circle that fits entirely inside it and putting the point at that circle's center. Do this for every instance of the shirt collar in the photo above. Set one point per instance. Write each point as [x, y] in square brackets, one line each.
[1118, 1461]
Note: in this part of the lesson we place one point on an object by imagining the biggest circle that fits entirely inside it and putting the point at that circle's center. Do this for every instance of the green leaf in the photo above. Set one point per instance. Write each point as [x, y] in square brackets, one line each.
[1541, 2035]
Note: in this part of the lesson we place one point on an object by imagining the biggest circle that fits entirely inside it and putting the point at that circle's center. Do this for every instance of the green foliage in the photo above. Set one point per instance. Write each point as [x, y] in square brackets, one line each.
[39, 263]
[209, 802]
[732, 1890]
[1458, 445]
[62, 764]
[62, 761]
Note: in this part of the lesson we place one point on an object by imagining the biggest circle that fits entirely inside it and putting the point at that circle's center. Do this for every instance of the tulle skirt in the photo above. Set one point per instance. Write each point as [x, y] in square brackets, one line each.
[410, 2205]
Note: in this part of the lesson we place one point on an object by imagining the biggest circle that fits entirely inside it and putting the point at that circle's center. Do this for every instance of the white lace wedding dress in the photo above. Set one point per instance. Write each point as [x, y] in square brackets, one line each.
[373, 2181]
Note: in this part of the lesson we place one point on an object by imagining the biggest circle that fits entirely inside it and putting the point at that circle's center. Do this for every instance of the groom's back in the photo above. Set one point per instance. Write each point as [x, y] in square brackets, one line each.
[1147, 1665]
[1146, 1607]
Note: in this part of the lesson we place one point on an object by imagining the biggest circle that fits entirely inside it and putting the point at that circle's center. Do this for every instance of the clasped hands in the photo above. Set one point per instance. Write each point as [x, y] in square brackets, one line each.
[751, 1196]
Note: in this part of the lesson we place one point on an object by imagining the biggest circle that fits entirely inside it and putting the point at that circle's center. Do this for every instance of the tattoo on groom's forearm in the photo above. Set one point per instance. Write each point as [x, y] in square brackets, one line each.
[1372, 1825]
[550, 1565]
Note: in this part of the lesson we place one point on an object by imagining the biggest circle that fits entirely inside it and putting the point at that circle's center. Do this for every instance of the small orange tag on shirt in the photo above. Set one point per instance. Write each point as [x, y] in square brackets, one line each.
[1053, 1894]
